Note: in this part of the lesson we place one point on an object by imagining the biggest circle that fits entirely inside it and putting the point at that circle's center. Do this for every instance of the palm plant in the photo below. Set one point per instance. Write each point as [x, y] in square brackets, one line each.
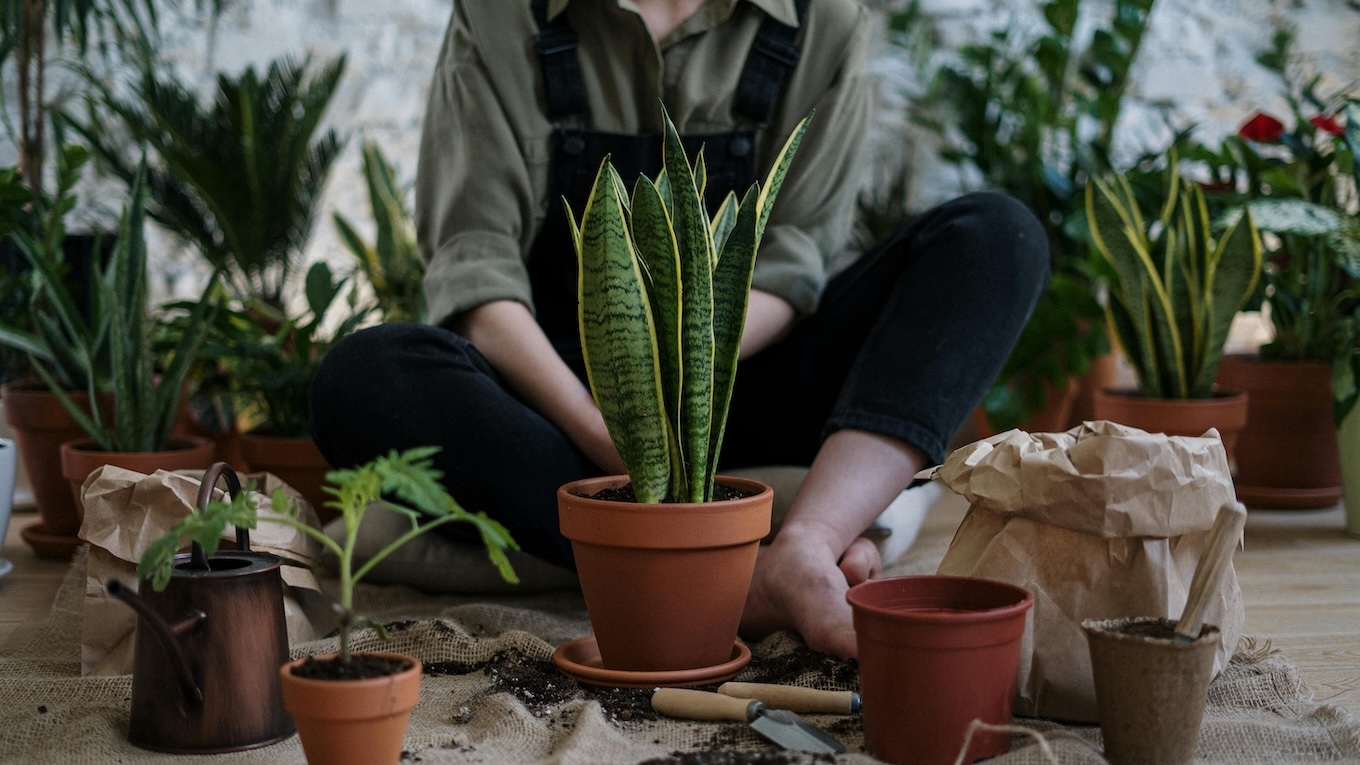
[239, 177]
[391, 264]
[663, 296]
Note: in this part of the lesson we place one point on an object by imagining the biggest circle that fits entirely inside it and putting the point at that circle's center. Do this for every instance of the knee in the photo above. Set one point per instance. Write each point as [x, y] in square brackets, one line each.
[1004, 237]
[366, 363]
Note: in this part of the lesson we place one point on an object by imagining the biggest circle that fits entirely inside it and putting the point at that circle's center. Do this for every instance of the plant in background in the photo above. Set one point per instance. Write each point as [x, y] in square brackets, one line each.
[663, 296]
[113, 349]
[391, 264]
[1034, 115]
[239, 177]
[15, 292]
[404, 482]
[1176, 286]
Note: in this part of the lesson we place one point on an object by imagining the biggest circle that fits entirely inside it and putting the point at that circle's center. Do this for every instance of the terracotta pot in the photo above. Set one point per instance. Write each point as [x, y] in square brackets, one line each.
[1052, 418]
[81, 457]
[664, 584]
[1348, 443]
[352, 722]
[1150, 690]
[1104, 371]
[935, 653]
[296, 461]
[1226, 410]
[41, 425]
[1286, 455]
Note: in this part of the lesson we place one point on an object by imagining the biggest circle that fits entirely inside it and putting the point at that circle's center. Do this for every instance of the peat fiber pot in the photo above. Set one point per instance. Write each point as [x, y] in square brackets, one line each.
[296, 461]
[1150, 688]
[352, 722]
[664, 584]
[936, 653]
[41, 425]
[1348, 443]
[81, 457]
[1226, 411]
[1286, 455]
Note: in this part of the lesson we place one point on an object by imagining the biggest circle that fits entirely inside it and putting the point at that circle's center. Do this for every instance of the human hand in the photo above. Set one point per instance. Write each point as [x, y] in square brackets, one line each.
[800, 584]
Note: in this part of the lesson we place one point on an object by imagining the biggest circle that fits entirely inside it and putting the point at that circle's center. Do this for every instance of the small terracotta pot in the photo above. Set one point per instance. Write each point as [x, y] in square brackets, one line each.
[1226, 411]
[1286, 456]
[352, 722]
[664, 584]
[81, 457]
[935, 653]
[1150, 690]
[296, 461]
[41, 425]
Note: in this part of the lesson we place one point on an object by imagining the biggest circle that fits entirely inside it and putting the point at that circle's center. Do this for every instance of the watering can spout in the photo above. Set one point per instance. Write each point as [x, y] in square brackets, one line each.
[168, 634]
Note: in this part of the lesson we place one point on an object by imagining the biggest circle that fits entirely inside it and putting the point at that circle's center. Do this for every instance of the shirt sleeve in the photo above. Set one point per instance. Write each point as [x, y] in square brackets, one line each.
[474, 197]
[811, 222]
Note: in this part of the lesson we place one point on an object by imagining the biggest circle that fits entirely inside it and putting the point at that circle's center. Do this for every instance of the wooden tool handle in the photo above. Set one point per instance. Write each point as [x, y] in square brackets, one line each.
[794, 698]
[1218, 552]
[700, 705]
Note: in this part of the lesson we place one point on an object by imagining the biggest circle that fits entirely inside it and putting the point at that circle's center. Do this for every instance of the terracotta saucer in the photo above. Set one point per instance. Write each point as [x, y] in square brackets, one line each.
[1275, 498]
[49, 545]
[580, 660]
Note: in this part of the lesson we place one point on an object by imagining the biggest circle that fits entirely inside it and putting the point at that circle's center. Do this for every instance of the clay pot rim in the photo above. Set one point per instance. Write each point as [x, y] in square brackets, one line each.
[856, 598]
[1108, 629]
[580, 490]
[416, 668]
[175, 444]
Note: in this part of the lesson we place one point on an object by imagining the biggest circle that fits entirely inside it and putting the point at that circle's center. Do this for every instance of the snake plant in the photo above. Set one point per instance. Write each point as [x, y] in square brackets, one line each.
[1177, 286]
[663, 295]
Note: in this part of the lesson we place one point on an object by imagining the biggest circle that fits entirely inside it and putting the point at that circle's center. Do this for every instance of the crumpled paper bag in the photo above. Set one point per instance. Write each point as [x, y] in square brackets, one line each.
[1100, 522]
[125, 511]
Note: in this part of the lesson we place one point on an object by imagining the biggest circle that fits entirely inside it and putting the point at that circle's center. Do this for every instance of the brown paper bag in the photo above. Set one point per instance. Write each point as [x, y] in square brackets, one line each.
[125, 511]
[1100, 522]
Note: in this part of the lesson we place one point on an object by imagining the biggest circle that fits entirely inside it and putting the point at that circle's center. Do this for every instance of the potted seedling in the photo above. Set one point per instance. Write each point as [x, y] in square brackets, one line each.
[663, 296]
[1174, 290]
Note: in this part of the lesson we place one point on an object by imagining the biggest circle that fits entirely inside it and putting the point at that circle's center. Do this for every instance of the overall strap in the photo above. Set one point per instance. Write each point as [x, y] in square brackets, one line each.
[773, 56]
[556, 44]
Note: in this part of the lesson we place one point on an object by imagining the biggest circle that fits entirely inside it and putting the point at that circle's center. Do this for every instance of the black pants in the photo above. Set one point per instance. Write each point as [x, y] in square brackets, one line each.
[905, 344]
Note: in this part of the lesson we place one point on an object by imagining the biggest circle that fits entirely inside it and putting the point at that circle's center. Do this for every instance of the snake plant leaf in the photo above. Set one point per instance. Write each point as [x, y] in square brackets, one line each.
[722, 222]
[775, 179]
[654, 239]
[618, 339]
[696, 331]
[1236, 267]
[731, 291]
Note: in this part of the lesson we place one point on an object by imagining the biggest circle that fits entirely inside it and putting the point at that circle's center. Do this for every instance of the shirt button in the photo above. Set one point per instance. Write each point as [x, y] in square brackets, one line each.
[740, 146]
[574, 144]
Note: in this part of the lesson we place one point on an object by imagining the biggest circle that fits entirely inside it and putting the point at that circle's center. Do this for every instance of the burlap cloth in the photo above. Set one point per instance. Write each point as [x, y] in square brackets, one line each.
[491, 695]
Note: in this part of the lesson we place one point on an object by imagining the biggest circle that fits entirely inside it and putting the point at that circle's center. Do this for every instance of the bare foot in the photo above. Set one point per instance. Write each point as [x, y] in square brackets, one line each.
[800, 585]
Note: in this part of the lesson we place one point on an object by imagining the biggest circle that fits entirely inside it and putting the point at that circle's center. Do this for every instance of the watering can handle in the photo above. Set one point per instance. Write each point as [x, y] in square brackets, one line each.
[205, 491]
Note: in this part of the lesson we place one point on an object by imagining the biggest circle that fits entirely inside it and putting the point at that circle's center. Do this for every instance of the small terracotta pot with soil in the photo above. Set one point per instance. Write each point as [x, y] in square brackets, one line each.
[355, 716]
[1150, 688]
[664, 584]
[936, 653]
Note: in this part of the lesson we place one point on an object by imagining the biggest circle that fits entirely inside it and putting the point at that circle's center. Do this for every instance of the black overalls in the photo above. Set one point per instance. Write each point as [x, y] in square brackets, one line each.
[729, 157]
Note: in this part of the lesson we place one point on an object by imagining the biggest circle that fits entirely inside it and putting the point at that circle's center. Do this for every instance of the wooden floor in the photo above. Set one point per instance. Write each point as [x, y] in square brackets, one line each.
[1300, 577]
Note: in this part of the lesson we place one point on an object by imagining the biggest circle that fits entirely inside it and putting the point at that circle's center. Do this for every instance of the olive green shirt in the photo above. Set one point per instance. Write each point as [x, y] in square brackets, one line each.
[482, 188]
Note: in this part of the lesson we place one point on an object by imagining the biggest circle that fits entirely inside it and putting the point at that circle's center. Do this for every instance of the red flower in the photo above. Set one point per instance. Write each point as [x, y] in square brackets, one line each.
[1327, 124]
[1218, 186]
[1262, 128]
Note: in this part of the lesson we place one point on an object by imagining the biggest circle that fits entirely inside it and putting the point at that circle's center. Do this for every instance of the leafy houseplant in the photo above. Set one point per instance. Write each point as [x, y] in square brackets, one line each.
[391, 264]
[663, 294]
[1033, 115]
[369, 694]
[1175, 289]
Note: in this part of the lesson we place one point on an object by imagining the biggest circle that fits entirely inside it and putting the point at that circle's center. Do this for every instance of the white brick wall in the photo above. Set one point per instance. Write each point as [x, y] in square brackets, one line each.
[1198, 65]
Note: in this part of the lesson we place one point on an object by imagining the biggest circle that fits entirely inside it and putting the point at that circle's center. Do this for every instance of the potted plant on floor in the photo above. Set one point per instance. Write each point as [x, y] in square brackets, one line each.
[1296, 183]
[1175, 287]
[661, 356]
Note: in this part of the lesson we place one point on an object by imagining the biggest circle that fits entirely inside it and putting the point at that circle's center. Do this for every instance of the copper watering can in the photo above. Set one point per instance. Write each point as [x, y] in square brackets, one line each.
[205, 672]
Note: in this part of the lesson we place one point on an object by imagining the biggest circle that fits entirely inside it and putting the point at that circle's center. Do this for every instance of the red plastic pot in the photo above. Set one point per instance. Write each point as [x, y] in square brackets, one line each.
[936, 653]
[664, 584]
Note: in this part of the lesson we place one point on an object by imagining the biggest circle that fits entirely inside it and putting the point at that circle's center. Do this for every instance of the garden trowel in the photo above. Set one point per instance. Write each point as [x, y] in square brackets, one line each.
[780, 726]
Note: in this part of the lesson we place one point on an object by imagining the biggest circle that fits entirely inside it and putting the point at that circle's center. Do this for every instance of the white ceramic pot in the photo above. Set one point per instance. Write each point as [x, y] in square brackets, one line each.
[8, 465]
